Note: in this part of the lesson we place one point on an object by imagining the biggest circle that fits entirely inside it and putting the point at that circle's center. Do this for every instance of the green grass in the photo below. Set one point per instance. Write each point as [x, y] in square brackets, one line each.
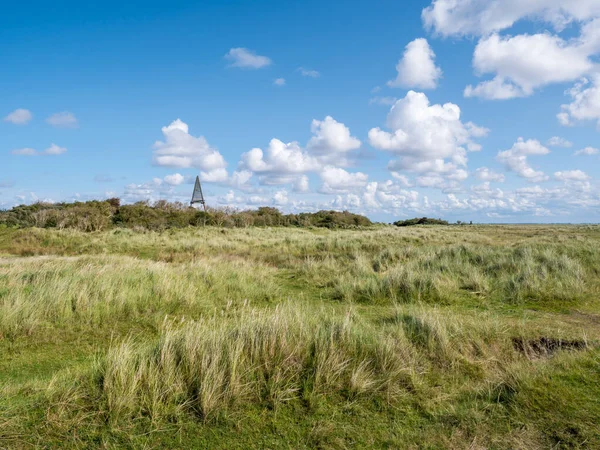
[301, 338]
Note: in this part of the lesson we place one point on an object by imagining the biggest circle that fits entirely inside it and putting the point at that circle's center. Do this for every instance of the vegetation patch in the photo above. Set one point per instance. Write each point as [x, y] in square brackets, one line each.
[303, 337]
[420, 221]
[101, 215]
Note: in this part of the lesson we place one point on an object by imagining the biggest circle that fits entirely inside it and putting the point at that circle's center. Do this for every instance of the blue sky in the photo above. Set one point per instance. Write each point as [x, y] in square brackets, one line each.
[477, 110]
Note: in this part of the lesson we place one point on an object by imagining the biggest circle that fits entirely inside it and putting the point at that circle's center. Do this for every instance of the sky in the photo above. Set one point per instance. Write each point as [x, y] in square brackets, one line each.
[473, 110]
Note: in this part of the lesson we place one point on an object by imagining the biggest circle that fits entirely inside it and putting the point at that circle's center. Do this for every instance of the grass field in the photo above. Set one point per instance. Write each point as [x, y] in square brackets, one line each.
[386, 337]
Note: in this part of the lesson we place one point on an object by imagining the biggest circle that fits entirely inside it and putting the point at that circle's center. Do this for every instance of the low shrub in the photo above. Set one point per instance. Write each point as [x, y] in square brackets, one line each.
[420, 221]
[100, 215]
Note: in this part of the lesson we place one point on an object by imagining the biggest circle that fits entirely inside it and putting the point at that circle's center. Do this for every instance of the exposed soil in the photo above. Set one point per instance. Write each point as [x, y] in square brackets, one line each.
[545, 346]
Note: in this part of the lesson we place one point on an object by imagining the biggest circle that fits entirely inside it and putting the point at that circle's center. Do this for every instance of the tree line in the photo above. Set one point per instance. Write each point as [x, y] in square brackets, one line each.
[98, 215]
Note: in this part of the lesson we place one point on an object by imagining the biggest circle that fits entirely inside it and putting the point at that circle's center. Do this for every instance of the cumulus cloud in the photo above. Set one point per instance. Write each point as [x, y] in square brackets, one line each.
[280, 198]
[279, 82]
[520, 64]
[174, 179]
[402, 179]
[247, 59]
[523, 63]
[215, 176]
[284, 163]
[55, 150]
[63, 119]
[151, 191]
[515, 159]
[557, 141]
[427, 138]
[182, 150]
[230, 199]
[301, 184]
[240, 178]
[481, 17]
[485, 174]
[339, 181]
[417, 67]
[391, 197]
[19, 117]
[308, 72]
[331, 140]
[279, 158]
[571, 175]
[585, 104]
[588, 151]
[495, 89]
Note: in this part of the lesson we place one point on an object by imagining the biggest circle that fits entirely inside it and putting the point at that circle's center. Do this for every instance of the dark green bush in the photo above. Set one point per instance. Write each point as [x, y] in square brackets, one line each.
[420, 221]
[99, 215]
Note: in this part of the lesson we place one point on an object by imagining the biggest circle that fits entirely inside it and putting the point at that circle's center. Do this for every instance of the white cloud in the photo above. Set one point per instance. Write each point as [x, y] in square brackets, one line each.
[525, 62]
[402, 179]
[338, 181]
[54, 150]
[390, 197]
[481, 17]
[588, 151]
[257, 200]
[417, 67]
[63, 119]
[230, 198]
[424, 136]
[585, 103]
[240, 178]
[248, 59]
[279, 158]
[145, 191]
[557, 141]
[424, 131]
[218, 175]
[485, 174]
[301, 184]
[24, 151]
[571, 175]
[282, 163]
[279, 82]
[495, 89]
[175, 179]
[182, 150]
[19, 117]
[515, 159]
[280, 198]
[331, 140]
[308, 72]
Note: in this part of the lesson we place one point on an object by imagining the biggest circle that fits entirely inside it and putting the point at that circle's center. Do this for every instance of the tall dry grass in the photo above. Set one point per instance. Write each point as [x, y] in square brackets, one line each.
[127, 274]
[263, 357]
[41, 293]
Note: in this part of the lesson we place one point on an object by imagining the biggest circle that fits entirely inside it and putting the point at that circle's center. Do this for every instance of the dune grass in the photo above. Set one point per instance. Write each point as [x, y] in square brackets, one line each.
[445, 337]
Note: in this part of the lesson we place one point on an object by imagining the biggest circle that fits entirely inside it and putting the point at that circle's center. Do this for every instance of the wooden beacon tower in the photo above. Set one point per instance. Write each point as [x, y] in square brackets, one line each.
[197, 196]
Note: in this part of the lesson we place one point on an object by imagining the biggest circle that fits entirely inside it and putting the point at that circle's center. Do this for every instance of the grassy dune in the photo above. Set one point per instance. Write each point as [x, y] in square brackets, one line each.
[437, 337]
